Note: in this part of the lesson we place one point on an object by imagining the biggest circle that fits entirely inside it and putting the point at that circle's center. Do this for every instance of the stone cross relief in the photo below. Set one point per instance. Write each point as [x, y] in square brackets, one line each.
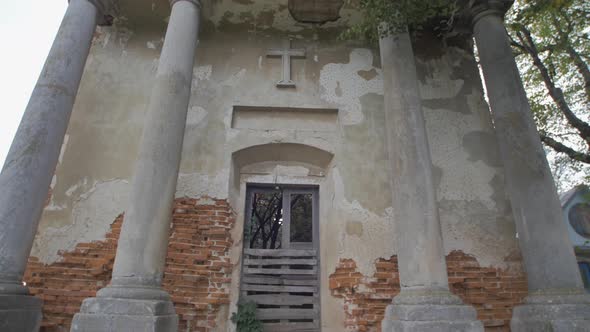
[286, 53]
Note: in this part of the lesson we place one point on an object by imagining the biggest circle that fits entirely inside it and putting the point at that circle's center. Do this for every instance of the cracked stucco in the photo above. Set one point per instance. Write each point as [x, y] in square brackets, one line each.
[92, 214]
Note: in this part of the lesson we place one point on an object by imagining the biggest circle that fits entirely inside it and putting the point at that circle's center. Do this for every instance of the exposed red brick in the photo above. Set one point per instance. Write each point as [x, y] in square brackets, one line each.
[197, 274]
[492, 291]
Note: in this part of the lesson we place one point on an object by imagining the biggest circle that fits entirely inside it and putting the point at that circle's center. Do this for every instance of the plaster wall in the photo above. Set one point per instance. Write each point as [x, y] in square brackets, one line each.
[92, 181]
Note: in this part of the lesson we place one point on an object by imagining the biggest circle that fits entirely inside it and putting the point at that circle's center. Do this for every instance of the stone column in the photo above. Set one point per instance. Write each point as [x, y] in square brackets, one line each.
[556, 300]
[425, 302]
[33, 156]
[135, 300]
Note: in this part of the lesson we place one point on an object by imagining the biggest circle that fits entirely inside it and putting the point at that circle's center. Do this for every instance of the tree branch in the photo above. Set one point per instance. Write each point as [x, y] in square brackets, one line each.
[562, 148]
[556, 93]
[580, 64]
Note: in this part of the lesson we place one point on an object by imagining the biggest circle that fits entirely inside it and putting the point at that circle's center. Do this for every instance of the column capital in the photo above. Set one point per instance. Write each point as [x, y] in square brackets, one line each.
[472, 10]
[194, 2]
[477, 9]
[106, 9]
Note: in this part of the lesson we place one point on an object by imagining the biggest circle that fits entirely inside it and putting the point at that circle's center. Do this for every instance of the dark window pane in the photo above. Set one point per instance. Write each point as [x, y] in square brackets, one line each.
[266, 221]
[585, 271]
[301, 218]
[579, 217]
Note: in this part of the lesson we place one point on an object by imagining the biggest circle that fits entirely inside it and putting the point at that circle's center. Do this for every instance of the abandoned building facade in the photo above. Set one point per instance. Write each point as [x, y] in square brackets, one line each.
[180, 158]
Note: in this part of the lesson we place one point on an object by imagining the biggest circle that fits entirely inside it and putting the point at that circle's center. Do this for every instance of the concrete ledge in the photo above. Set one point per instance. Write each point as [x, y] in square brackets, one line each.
[20, 313]
[427, 310]
[431, 317]
[112, 315]
[115, 323]
[438, 326]
[432, 312]
[99, 305]
[551, 318]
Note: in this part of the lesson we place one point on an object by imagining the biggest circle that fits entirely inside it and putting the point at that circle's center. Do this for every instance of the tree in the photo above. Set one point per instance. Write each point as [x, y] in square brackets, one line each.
[551, 43]
[398, 15]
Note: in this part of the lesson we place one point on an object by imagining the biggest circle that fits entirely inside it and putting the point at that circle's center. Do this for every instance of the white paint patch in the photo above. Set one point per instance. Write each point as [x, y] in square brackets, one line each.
[72, 189]
[124, 35]
[106, 39]
[196, 185]
[53, 207]
[202, 73]
[260, 62]
[315, 58]
[155, 63]
[343, 85]
[155, 44]
[195, 116]
[92, 215]
[462, 179]
[64, 146]
[205, 201]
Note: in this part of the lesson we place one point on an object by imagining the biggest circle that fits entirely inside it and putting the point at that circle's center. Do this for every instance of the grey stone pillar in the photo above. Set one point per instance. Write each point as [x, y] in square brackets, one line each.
[135, 301]
[33, 156]
[556, 300]
[425, 302]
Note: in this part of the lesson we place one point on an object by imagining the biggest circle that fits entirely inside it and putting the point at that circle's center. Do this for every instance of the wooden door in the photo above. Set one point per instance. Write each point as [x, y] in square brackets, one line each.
[280, 270]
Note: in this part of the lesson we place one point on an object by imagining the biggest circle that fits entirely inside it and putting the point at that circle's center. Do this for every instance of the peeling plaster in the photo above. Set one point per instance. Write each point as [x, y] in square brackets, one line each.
[202, 73]
[472, 228]
[357, 221]
[199, 185]
[155, 44]
[341, 84]
[461, 178]
[92, 215]
[360, 234]
[266, 14]
[118, 34]
[439, 82]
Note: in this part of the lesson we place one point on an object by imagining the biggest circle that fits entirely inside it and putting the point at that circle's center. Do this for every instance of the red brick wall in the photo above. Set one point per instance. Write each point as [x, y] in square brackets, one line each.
[493, 292]
[197, 271]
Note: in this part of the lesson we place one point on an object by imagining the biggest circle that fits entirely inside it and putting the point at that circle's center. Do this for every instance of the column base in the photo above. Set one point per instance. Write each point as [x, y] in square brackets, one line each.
[115, 314]
[430, 312]
[553, 313]
[20, 313]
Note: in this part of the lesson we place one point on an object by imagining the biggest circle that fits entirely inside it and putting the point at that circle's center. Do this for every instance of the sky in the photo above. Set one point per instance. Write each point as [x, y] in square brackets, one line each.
[27, 30]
